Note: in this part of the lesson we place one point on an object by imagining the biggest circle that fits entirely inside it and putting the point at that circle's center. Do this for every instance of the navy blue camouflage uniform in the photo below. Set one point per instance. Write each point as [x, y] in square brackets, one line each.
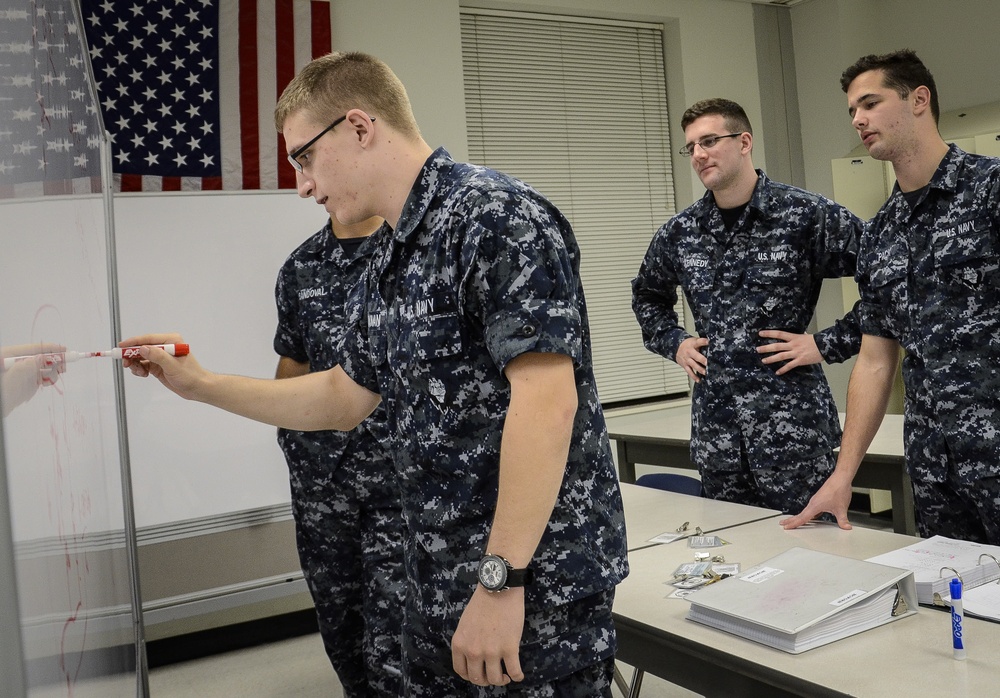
[757, 437]
[929, 275]
[479, 270]
[345, 497]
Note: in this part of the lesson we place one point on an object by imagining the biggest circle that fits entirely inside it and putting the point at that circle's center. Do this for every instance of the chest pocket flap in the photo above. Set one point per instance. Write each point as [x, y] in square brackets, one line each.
[966, 242]
[431, 337]
[965, 255]
[771, 274]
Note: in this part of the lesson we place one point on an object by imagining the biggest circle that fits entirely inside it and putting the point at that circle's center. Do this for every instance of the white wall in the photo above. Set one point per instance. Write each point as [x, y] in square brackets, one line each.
[956, 39]
[421, 42]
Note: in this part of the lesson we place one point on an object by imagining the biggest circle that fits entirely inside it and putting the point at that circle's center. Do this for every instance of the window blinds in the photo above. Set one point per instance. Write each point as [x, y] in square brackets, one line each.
[578, 109]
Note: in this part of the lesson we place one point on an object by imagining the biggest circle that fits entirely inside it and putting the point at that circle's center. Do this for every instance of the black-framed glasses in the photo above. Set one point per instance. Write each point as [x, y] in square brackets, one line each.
[293, 157]
[706, 143]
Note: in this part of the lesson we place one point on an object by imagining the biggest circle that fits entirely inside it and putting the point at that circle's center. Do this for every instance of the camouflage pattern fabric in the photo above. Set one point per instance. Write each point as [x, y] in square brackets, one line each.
[583, 626]
[345, 498]
[771, 488]
[962, 510]
[929, 276]
[480, 270]
[764, 273]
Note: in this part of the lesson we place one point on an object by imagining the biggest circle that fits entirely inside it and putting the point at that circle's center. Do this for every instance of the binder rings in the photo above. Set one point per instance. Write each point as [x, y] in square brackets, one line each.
[802, 599]
[937, 560]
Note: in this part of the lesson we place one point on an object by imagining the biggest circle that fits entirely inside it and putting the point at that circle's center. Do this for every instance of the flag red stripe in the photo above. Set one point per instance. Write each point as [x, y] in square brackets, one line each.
[322, 42]
[284, 40]
[57, 187]
[211, 183]
[171, 184]
[131, 182]
[249, 137]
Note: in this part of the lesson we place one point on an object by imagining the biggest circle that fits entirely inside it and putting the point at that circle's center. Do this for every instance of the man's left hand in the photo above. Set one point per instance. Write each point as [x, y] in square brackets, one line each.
[796, 349]
[484, 649]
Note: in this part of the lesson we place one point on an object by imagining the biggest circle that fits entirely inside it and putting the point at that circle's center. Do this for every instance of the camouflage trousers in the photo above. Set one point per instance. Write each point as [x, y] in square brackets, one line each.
[579, 663]
[967, 511]
[786, 489]
[349, 531]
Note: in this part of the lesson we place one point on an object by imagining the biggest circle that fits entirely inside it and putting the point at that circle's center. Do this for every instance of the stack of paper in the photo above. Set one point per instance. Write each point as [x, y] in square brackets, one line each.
[802, 599]
[936, 561]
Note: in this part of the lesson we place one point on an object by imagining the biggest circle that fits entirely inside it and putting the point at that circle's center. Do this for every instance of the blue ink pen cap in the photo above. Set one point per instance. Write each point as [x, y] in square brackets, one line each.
[956, 589]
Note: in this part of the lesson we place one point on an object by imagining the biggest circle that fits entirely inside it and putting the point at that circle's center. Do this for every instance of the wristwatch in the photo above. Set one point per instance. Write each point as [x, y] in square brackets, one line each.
[496, 574]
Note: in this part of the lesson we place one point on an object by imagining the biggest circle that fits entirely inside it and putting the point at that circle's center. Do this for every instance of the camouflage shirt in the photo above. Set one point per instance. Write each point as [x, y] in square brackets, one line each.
[312, 288]
[930, 279]
[479, 270]
[764, 273]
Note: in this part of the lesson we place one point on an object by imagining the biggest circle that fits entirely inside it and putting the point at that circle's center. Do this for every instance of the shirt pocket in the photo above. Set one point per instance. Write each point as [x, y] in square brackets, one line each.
[884, 298]
[965, 257]
[699, 281]
[774, 294]
[426, 352]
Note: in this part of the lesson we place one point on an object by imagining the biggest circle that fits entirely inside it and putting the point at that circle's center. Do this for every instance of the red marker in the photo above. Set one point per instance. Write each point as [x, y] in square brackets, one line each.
[116, 353]
[133, 352]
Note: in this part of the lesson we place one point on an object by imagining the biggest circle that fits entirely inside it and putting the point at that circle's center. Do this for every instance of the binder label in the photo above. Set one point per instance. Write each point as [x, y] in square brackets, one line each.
[761, 575]
[848, 597]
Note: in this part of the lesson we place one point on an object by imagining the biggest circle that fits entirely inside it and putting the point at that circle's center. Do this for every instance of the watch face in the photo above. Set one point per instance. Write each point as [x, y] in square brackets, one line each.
[492, 573]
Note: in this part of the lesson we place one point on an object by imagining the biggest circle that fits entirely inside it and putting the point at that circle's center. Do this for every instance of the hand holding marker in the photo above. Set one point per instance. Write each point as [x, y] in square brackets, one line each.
[116, 353]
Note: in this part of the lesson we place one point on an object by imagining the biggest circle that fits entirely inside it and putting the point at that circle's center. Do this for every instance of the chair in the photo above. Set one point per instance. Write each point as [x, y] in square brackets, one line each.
[684, 484]
[671, 482]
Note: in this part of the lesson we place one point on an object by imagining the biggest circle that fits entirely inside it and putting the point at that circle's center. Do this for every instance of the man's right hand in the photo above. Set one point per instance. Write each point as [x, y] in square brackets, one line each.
[690, 358]
[833, 497]
[180, 374]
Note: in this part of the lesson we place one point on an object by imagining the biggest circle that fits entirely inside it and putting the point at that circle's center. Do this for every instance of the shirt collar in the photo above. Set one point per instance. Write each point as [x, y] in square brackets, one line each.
[758, 200]
[424, 189]
[945, 176]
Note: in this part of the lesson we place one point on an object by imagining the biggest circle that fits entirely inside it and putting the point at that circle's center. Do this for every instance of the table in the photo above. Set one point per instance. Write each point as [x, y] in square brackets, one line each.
[911, 656]
[662, 436]
[650, 512]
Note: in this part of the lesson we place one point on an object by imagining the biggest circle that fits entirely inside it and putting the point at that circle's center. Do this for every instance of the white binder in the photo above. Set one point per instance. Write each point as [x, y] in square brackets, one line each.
[938, 560]
[802, 599]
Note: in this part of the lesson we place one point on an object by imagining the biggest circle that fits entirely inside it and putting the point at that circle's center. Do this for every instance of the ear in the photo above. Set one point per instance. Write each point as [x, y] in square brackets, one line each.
[920, 98]
[362, 126]
[746, 143]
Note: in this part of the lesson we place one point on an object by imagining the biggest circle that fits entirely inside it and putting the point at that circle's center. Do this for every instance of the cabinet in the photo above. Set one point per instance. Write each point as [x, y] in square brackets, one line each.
[861, 184]
[988, 144]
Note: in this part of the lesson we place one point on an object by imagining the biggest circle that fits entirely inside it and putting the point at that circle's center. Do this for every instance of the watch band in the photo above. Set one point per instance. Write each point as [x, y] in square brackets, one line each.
[520, 578]
[495, 574]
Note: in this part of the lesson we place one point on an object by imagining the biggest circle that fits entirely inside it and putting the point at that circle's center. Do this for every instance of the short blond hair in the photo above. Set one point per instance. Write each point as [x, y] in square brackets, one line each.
[331, 85]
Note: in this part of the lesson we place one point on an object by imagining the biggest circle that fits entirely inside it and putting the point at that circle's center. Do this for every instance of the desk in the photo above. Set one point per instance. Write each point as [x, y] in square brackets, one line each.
[662, 436]
[650, 512]
[912, 656]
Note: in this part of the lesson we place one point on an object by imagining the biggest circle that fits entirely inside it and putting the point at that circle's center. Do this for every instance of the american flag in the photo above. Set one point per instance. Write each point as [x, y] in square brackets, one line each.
[50, 135]
[188, 87]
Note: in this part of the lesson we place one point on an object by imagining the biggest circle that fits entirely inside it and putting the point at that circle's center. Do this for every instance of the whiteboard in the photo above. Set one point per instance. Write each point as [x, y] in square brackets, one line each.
[67, 549]
[204, 265]
[62, 458]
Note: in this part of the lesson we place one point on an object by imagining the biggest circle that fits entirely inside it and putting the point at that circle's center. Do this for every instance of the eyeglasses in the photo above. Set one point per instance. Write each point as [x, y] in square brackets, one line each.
[706, 143]
[294, 156]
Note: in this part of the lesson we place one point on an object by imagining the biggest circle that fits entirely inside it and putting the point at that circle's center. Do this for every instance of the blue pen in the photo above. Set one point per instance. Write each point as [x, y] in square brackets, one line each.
[957, 630]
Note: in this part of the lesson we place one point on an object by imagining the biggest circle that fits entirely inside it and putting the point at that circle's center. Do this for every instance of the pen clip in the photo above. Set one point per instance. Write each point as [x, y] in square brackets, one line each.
[683, 527]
